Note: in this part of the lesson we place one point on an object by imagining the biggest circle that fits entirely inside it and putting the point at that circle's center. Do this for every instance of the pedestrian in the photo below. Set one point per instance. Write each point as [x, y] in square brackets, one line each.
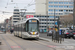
[11, 30]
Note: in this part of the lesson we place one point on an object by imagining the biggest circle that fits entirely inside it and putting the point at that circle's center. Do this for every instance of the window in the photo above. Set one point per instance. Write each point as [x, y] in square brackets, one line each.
[65, 6]
[14, 21]
[70, 2]
[56, 10]
[16, 13]
[60, 10]
[70, 10]
[43, 16]
[34, 16]
[60, 6]
[50, 23]
[50, 10]
[60, 2]
[42, 19]
[49, 13]
[51, 16]
[64, 10]
[65, 2]
[56, 13]
[50, 5]
[57, 16]
[56, 6]
[70, 6]
[60, 13]
[50, 2]
[16, 10]
[15, 18]
[32, 26]
[37, 16]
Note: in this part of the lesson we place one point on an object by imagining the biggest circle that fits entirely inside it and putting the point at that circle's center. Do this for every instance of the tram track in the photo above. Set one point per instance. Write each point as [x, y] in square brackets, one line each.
[12, 41]
[7, 43]
[35, 41]
[38, 42]
[44, 44]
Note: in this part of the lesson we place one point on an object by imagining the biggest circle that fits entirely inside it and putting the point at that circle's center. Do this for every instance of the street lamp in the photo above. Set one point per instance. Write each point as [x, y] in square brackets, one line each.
[73, 14]
[23, 12]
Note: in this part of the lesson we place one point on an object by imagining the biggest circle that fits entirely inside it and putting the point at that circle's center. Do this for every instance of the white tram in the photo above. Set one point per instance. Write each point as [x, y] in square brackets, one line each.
[27, 28]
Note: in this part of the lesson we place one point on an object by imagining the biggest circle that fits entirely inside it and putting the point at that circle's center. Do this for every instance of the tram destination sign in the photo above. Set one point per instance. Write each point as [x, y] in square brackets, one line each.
[34, 21]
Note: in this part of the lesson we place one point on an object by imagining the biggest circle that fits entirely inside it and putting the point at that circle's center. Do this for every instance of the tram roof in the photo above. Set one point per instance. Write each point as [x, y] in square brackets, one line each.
[25, 20]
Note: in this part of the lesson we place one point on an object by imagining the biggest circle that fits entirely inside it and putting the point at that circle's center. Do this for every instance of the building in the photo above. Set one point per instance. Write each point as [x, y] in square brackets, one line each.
[61, 7]
[19, 15]
[16, 16]
[45, 22]
[8, 24]
[49, 9]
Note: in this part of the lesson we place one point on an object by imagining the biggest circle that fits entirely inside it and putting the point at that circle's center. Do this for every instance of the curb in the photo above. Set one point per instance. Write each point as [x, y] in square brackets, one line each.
[46, 39]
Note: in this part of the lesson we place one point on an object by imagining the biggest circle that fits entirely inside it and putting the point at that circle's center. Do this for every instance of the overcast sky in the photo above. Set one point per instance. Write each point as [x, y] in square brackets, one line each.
[8, 6]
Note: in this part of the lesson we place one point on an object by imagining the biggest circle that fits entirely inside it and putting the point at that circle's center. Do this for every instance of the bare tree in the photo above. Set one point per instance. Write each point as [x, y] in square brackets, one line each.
[67, 20]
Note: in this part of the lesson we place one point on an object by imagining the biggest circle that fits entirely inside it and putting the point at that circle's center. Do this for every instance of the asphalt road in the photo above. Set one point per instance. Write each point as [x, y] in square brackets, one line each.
[10, 42]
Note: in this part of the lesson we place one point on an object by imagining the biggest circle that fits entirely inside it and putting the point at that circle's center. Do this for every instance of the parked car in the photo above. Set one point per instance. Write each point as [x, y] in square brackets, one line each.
[49, 33]
[68, 33]
[73, 34]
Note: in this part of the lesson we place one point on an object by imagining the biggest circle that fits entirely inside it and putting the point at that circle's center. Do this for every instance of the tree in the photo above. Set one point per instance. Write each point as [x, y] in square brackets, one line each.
[67, 20]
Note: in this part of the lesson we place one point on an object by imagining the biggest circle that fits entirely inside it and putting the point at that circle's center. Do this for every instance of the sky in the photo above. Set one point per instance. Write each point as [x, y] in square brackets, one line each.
[9, 6]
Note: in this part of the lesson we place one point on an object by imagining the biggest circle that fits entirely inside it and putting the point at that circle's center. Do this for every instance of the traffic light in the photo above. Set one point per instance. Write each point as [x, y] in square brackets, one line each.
[56, 28]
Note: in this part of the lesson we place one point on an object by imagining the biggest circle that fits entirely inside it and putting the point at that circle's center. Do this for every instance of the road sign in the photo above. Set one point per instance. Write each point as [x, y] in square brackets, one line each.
[56, 23]
[60, 32]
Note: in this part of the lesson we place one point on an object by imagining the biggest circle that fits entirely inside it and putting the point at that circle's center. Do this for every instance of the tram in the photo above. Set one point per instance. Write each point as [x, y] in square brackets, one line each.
[27, 28]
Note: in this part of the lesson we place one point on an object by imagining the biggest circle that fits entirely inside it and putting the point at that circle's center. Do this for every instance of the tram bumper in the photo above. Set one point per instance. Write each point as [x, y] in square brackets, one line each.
[33, 36]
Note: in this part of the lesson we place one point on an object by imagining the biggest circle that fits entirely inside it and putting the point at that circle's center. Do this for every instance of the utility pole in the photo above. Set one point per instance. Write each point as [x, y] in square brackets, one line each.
[23, 13]
[73, 15]
[54, 19]
[47, 15]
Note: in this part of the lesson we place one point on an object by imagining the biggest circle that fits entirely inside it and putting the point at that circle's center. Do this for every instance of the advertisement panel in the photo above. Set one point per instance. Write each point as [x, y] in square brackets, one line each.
[29, 16]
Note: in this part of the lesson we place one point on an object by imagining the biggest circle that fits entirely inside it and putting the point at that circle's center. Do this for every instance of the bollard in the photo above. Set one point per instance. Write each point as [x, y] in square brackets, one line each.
[52, 35]
[0, 43]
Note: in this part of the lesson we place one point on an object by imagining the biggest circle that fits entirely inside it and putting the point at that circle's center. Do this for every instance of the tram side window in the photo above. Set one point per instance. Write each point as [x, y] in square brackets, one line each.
[15, 28]
[26, 27]
[22, 27]
[19, 27]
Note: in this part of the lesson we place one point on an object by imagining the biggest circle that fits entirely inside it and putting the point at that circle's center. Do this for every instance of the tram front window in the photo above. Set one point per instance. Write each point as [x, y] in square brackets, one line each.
[33, 27]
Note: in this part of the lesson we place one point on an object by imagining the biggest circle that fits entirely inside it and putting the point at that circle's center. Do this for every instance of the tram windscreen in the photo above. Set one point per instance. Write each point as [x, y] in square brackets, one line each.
[33, 26]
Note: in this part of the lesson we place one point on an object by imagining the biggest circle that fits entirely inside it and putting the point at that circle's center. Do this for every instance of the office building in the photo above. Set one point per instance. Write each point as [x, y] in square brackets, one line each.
[51, 9]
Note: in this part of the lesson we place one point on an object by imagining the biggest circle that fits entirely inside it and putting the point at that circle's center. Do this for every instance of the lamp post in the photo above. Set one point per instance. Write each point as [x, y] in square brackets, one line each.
[23, 12]
[73, 15]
